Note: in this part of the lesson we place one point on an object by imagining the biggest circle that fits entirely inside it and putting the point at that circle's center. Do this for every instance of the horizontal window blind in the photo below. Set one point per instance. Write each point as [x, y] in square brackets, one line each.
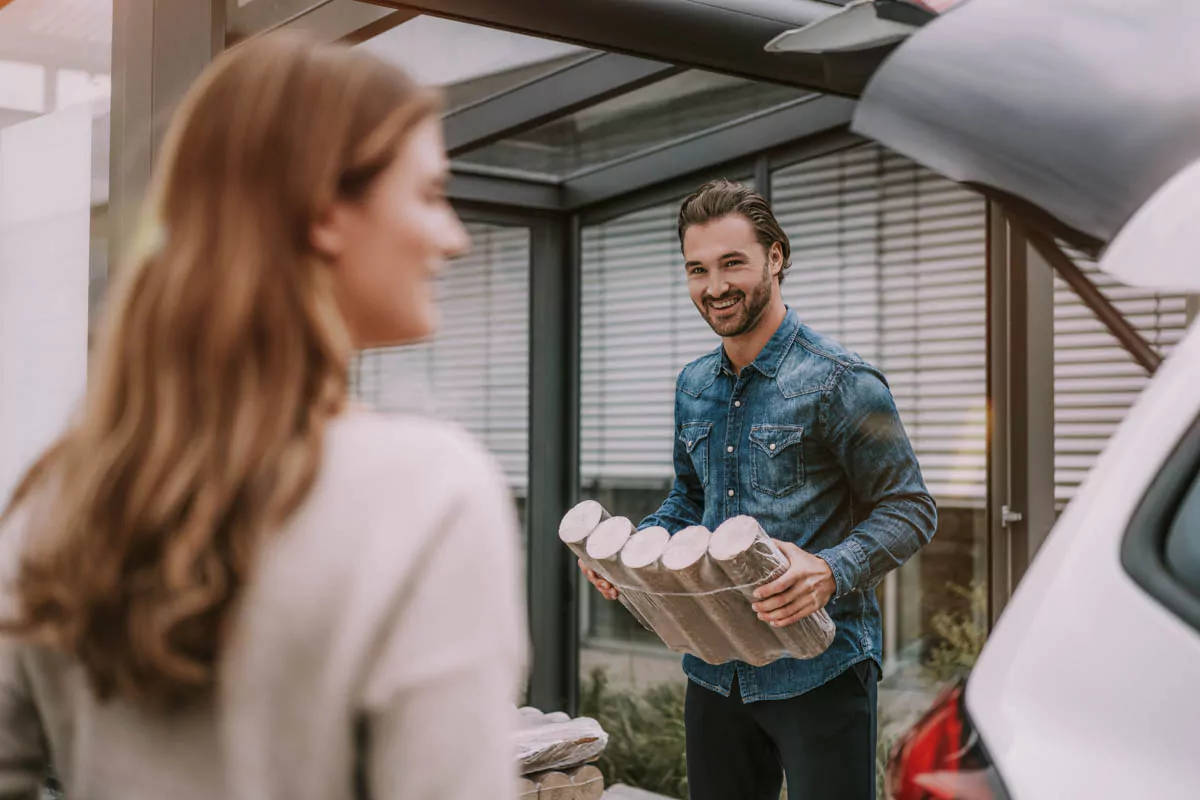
[1095, 379]
[639, 328]
[475, 370]
[890, 259]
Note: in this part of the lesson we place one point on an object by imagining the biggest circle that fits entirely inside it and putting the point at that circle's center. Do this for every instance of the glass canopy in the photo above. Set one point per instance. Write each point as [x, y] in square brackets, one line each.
[671, 109]
[470, 62]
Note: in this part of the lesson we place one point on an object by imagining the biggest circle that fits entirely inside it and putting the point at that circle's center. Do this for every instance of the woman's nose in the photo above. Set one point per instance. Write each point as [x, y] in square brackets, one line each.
[457, 239]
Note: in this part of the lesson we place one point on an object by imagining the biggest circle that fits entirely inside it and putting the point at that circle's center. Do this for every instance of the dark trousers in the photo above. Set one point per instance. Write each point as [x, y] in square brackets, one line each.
[824, 741]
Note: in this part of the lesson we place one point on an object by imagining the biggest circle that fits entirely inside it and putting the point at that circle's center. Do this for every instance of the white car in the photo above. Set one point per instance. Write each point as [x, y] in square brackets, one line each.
[1081, 120]
[1089, 686]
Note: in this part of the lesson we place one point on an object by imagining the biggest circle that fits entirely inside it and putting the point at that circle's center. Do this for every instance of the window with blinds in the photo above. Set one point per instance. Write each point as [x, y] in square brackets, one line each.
[475, 370]
[1095, 379]
[639, 329]
[890, 259]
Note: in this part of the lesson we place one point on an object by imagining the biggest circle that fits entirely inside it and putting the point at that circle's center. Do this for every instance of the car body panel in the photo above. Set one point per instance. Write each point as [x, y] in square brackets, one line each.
[1163, 253]
[1087, 686]
[1075, 111]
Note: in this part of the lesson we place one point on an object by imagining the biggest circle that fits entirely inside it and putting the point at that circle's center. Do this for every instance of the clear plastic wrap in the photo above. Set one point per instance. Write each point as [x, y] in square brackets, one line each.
[695, 590]
[547, 742]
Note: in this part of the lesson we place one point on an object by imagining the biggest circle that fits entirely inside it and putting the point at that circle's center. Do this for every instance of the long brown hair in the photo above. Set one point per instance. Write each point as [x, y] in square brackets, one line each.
[221, 359]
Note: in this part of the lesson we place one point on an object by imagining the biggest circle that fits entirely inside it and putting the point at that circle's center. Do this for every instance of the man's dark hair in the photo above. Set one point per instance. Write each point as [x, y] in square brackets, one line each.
[720, 198]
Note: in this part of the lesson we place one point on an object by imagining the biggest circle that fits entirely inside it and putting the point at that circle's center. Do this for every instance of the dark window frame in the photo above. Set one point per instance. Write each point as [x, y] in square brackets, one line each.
[1143, 551]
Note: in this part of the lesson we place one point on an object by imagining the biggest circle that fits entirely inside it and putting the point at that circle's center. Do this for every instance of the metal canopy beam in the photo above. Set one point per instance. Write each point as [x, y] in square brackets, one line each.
[757, 168]
[496, 190]
[562, 92]
[725, 36]
[327, 20]
[1121, 328]
[739, 139]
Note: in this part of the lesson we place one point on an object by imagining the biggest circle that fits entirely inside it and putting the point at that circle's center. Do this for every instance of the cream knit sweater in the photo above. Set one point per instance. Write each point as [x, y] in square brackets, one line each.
[390, 605]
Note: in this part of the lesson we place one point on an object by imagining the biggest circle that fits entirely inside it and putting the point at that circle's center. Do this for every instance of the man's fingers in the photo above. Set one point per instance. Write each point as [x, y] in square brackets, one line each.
[794, 618]
[604, 587]
[792, 613]
[780, 600]
[781, 584]
[800, 604]
[793, 608]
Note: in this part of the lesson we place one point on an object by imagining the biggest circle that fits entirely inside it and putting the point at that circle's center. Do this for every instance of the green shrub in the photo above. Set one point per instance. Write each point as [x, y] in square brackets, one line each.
[645, 729]
[960, 636]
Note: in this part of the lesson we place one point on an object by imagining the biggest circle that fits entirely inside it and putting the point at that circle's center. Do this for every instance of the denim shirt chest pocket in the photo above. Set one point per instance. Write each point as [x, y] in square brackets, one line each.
[694, 436]
[777, 459]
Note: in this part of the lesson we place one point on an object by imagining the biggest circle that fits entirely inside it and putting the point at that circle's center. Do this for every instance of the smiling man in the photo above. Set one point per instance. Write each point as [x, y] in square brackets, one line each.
[788, 426]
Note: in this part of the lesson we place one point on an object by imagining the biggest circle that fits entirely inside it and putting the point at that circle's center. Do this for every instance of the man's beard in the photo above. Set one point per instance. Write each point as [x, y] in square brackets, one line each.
[749, 311]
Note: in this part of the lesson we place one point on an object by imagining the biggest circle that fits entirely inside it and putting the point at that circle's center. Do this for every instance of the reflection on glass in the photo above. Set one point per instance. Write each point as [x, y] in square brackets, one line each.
[664, 111]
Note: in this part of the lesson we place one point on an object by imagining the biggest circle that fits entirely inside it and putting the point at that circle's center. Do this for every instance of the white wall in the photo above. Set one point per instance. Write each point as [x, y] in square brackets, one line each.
[45, 188]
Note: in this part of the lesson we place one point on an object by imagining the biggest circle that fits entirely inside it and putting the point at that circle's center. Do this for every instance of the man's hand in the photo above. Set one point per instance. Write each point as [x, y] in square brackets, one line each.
[607, 589]
[803, 590]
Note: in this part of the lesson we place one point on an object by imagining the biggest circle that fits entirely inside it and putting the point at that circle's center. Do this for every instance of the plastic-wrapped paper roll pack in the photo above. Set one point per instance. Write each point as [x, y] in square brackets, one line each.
[547, 743]
[695, 589]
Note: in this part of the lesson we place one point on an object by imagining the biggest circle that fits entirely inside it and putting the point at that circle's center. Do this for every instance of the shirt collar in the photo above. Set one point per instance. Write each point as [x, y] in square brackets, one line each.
[774, 351]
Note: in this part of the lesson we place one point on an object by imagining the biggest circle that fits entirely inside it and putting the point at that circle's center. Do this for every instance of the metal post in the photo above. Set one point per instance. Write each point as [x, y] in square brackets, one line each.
[159, 47]
[762, 177]
[1031, 494]
[553, 461]
[999, 413]
[1021, 402]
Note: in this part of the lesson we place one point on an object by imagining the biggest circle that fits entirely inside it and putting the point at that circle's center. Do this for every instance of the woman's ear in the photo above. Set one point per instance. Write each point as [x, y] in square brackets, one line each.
[328, 233]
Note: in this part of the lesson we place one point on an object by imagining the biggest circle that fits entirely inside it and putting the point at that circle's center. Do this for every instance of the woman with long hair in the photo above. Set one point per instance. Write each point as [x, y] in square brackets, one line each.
[223, 581]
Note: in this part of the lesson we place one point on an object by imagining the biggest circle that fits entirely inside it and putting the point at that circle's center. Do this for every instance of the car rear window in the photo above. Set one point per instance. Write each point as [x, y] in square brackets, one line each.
[1182, 554]
[1161, 551]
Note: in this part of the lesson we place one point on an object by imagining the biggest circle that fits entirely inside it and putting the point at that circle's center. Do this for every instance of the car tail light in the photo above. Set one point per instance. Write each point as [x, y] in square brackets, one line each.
[942, 757]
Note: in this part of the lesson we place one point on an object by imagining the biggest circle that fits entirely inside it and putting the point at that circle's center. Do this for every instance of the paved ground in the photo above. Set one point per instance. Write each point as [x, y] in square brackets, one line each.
[622, 792]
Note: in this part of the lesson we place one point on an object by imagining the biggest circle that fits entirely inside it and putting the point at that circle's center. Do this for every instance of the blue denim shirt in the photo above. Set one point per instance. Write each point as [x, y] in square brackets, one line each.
[807, 440]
